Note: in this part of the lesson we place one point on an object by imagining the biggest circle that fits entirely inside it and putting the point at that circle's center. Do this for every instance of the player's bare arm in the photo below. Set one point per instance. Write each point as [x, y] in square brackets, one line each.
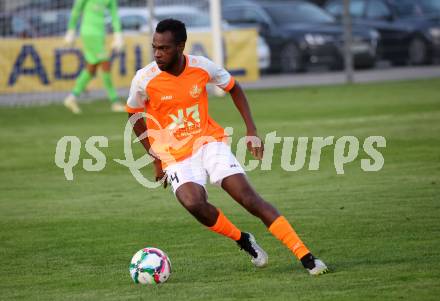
[255, 146]
[139, 127]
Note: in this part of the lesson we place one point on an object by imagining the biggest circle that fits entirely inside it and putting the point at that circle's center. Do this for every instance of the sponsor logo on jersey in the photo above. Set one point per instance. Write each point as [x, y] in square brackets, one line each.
[166, 97]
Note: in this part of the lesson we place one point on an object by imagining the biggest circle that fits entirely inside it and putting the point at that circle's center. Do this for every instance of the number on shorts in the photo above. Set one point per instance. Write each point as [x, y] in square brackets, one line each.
[173, 177]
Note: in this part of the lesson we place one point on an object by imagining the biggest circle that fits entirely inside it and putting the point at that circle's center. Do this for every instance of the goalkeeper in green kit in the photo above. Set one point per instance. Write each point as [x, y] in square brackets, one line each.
[93, 32]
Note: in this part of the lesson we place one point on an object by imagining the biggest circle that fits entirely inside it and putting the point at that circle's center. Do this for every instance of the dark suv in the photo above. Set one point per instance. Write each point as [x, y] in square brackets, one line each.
[300, 34]
[409, 29]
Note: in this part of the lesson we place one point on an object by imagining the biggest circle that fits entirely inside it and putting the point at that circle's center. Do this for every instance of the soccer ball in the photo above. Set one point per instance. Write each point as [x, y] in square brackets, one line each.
[150, 266]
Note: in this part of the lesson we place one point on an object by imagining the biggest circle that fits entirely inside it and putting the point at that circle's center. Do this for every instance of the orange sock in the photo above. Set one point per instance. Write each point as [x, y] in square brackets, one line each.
[282, 230]
[224, 227]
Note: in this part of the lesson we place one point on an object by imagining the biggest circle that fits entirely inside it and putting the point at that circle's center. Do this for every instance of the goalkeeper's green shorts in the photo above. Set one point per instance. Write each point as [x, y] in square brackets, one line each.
[94, 49]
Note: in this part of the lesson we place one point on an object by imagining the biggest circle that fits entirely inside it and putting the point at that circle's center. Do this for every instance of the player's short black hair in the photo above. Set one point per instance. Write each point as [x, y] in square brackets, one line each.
[176, 27]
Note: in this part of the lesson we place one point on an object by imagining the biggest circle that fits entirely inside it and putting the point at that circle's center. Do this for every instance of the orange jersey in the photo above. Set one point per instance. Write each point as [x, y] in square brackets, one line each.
[177, 119]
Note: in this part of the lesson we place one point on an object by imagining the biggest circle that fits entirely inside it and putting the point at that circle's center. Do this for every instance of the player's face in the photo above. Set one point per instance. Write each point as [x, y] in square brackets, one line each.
[166, 51]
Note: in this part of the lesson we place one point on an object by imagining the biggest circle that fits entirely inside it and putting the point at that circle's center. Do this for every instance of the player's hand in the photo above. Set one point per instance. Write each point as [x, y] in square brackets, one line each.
[69, 38]
[118, 42]
[160, 175]
[255, 145]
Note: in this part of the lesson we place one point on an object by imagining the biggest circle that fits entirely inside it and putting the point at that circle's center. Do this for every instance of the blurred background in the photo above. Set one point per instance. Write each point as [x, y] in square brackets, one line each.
[262, 43]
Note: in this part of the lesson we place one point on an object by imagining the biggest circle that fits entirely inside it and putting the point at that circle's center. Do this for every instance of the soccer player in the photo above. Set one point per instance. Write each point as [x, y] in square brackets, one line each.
[93, 34]
[188, 145]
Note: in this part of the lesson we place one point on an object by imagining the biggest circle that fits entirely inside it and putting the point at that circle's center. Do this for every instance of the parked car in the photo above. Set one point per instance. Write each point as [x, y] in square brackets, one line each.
[135, 20]
[6, 27]
[15, 26]
[50, 22]
[300, 34]
[409, 29]
[34, 23]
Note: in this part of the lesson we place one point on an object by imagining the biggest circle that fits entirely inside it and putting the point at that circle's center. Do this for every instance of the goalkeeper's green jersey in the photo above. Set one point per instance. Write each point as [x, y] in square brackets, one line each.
[93, 16]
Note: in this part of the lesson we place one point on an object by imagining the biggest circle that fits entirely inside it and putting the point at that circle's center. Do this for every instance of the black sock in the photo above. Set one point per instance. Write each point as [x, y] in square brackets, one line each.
[308, 261]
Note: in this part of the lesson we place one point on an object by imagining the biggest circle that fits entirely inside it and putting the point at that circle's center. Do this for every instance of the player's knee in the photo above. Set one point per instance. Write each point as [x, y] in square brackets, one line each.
[91, 69]
[193, 202]
[194, 207]
[106, 66]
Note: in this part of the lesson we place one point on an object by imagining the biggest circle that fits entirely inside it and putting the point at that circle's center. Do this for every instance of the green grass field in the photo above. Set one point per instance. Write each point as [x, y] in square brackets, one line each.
[379, 231]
